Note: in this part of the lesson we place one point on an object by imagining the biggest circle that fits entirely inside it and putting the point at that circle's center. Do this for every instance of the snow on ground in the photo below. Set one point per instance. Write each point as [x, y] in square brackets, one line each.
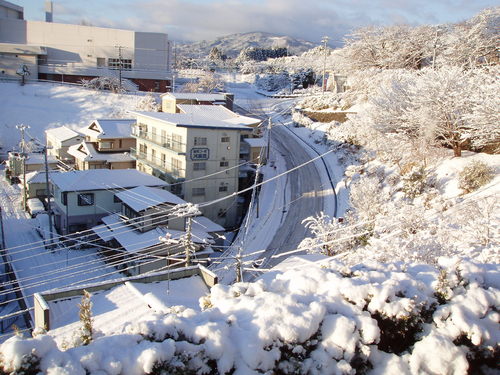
[38, 269]
[45, 105]
[310, 317]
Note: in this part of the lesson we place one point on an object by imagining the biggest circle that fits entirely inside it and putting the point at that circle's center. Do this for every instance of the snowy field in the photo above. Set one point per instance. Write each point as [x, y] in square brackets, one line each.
[44, 105]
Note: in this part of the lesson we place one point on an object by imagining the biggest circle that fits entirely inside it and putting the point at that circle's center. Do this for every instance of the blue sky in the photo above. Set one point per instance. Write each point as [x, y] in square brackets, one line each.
[208, 19]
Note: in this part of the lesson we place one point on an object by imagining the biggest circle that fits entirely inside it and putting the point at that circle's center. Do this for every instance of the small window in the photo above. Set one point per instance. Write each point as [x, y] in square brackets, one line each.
[200, 141]
[199, 166]
[116, 199]
[106, 145]
[64, 198]
[101, 62]
[224, 164]
[86, 199]
[223, 188]
[198, 192]
[225, 139]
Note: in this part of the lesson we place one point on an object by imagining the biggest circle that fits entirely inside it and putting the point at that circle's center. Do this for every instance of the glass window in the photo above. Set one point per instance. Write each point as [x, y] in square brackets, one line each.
[86, 199]
[225, 139]
[198, 192]
[222, 188]
[200, 141]
[224, 164]
[200, 166]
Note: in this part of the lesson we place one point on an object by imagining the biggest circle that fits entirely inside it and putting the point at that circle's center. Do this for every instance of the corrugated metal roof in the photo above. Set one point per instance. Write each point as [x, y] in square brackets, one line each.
[143, 197]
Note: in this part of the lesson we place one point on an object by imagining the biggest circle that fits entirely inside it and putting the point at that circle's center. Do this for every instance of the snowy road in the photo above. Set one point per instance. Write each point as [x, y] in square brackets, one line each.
[306, 198]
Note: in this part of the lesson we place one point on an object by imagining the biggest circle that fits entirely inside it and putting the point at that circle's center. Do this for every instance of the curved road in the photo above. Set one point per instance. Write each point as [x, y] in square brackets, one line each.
[306, 198]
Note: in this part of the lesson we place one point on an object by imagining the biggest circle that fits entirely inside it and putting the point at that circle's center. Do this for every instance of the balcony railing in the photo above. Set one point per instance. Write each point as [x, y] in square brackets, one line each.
[157, 164]
[165, 142]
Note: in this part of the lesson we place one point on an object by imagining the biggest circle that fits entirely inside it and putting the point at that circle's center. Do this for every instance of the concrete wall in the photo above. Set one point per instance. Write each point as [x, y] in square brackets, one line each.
[10, 63]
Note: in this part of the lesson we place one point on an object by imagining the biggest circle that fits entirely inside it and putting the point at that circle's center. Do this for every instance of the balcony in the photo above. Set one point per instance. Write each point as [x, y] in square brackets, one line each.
[156, 163]
[165, 142]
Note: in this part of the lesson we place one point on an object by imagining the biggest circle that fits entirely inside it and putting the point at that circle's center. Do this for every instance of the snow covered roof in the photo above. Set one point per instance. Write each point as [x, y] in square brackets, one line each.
[62, 133]
[131, 302]
[144, 197]
[109, 128]
[40, 159]
[218, 112]
[201, 97]
[135, 241]
[195, 120]
[204, 224]
[22, 49]
[256, 142]
[101, 179]
[85, 151]
[38, 177]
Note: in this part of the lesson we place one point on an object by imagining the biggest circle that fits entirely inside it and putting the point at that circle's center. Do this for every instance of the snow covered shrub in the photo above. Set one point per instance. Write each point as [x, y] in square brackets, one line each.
[414, 181]
[273, 82]
[368, 198]
[330, 236]
[29, 365]
[86, 318]
[147, 103]
[301, 119]
[104, 83]
[474, 175]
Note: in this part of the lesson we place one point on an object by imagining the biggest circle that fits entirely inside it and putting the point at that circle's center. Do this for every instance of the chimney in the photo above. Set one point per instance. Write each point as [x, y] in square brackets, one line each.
[49, 11]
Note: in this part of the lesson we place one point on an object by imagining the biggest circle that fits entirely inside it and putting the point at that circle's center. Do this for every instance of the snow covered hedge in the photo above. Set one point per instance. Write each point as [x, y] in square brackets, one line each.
[322, 319]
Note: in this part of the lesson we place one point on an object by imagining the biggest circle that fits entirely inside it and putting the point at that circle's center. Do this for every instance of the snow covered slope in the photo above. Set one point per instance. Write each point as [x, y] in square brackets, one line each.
[46, 105]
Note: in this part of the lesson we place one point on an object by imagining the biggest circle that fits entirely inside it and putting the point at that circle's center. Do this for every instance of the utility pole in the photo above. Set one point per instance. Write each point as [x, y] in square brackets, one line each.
[324, 41]
[434, 49]
[22, 128]
[269, 127]
[49, 209]
[239, 274]
[188, 242]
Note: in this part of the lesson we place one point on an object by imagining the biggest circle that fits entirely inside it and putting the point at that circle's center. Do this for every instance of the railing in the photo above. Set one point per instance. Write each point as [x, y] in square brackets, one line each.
[158, 164]
[165, 142]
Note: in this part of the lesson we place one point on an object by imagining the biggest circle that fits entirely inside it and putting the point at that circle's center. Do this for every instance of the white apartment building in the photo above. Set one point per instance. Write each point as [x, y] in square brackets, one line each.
[69, 53]
[197, 152]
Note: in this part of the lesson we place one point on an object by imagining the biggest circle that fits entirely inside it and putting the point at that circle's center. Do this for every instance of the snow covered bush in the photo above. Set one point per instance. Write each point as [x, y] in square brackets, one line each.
[104, 83]
[321, 319]
[414, 181]
[475, 175]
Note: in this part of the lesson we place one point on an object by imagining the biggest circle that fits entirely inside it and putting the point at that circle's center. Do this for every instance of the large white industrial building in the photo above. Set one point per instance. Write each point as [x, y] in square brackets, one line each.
[65, 52]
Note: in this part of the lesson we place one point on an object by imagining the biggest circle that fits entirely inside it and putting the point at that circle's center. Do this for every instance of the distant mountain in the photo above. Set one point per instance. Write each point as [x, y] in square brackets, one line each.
[231, 45]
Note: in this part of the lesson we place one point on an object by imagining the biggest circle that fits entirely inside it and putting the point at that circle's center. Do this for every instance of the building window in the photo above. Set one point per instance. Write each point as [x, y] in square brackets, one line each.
[176, 166]
[163, 160]
[101, 62]
[116, 199]
[224, 164]
[200, 166]
[225, 139]
[86, 199]
[198, 192]
[64, 198]
[106, 145]
[126, 64]
[200, 141]
[176, 142]
[223, 188]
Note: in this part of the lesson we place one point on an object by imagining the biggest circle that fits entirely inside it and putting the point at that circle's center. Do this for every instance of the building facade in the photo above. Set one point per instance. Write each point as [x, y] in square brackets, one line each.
[71, 53]
[83, 198]
[198, 153]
